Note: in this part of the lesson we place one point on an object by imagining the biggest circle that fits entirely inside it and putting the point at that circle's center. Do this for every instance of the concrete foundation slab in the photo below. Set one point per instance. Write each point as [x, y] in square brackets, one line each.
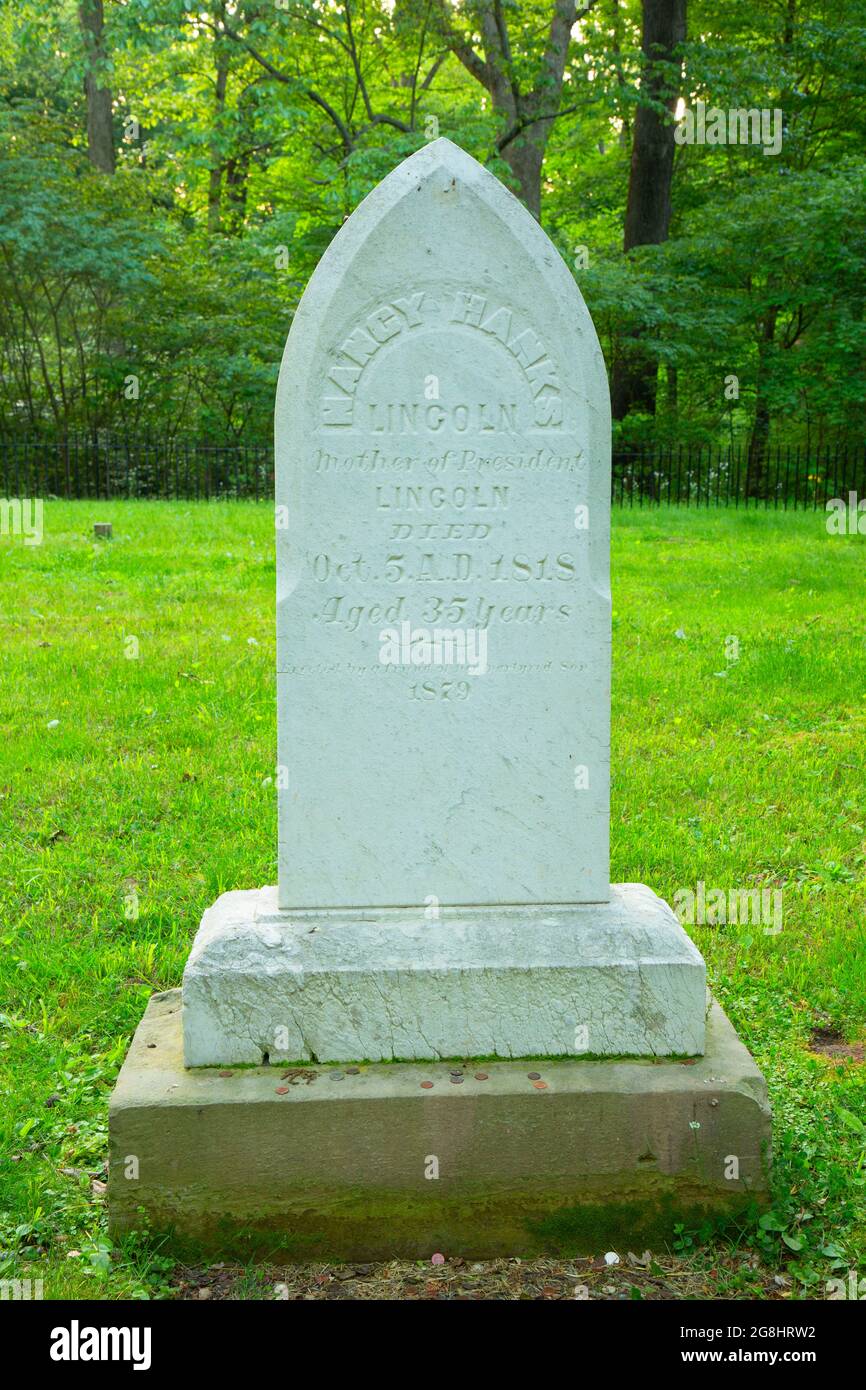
[619, 978]
[375, 1163]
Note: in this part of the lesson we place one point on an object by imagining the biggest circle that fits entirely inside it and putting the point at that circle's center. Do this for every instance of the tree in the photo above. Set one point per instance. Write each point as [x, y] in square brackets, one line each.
[648, 209]
[258, 128]
[349, 46]
[524, 82]
[100, 133]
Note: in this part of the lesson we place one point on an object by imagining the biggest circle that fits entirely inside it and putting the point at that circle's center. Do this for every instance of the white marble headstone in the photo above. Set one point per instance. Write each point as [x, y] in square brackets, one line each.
[443, 670]
[443, 616]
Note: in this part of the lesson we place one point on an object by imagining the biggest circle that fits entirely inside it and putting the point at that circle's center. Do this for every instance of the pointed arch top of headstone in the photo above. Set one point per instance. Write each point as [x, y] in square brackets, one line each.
[443, 465]
[437, 182]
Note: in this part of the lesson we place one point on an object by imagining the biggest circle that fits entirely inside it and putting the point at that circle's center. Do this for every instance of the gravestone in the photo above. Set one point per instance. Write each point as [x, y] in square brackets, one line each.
[443, 465]
[443, 669]
[443, 683]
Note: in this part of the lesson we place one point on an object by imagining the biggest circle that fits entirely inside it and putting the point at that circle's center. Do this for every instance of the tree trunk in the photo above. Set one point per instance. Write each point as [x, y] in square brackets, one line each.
[616, 50]
[237, 173]
[214, 190]
[673, 389]
[528, 115]
[524, 157]
[100, 134]
[756, 479]
[648, 211]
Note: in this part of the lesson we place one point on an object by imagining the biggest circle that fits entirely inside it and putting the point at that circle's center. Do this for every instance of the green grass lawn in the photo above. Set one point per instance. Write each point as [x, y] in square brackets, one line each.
[136, 788]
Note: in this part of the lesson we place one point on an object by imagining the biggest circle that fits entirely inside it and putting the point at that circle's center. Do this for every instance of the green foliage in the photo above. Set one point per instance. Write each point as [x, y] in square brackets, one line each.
[245, 135]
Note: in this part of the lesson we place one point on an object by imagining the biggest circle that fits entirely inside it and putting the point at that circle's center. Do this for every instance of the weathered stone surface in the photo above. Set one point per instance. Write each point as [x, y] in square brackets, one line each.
[443, 457]
[619, 978]
[442, 418]
[607, 1154]
[443, 636]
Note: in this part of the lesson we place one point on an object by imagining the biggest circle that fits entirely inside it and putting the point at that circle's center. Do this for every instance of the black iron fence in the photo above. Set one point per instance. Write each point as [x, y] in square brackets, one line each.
[141, 466]
[712, 476]
[108, 465]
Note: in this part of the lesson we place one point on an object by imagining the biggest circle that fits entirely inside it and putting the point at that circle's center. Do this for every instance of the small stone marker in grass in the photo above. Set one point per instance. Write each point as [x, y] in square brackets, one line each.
[102, 530]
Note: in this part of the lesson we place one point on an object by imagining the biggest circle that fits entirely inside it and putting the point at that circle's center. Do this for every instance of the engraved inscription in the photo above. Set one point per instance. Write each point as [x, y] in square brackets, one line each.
[396, 417]
[443, 617]
[415, 499]
[472, 310]
[416, 502]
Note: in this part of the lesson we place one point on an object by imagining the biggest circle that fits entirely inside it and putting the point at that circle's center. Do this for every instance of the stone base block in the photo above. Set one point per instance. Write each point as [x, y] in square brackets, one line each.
[620, 978]
[377, 1163]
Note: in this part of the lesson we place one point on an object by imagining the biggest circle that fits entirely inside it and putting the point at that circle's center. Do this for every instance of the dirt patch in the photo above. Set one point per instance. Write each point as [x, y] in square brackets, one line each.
[639, 1276]
[829, 1042]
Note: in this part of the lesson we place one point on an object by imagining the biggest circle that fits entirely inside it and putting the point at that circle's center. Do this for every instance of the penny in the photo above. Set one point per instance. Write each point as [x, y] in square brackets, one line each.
[481, 1076]
[353, 1071]
[282, 1090]
[540, 1085]
[457, 1081]
[226, 1073]
[426, 1085]
[336, 1075]
[534, 1075]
